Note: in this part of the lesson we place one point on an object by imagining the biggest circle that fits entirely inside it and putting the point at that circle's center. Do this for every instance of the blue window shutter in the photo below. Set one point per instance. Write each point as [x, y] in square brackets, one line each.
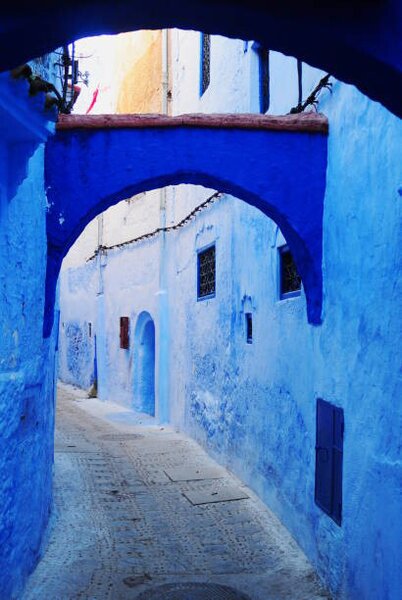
[329, 454]
[337, 467]
[323, 469]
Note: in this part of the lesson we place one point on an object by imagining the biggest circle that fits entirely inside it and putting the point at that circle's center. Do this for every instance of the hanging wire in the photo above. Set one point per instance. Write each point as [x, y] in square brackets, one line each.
[155, 232]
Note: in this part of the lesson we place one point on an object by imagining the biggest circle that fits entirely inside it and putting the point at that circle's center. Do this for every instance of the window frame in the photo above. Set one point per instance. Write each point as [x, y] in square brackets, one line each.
[199, 252]
[299, 82]
[203, 68]
[249, 327]
[125, 333]
[294, 293]
[264, 77]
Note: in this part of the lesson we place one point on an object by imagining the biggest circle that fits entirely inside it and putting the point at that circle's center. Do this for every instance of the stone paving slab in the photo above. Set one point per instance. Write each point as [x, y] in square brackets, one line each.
[121, 527]
[209, 496]
[192, 473]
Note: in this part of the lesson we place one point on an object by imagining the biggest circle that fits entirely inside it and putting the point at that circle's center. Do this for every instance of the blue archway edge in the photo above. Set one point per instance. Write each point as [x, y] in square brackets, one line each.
[357, 41]
[282, 173]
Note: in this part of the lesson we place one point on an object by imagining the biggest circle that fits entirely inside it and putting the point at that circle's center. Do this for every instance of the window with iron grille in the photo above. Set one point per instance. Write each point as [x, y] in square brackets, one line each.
[290, 280]
[205, 62]
[124, 333]
[206, 273]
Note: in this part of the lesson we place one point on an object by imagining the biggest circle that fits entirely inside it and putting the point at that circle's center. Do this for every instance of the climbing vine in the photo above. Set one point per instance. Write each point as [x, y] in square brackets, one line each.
[312, 99]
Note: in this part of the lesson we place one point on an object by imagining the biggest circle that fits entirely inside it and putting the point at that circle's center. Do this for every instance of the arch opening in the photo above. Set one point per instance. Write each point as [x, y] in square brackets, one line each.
[111, 273]
[281, 173]
[308, 265]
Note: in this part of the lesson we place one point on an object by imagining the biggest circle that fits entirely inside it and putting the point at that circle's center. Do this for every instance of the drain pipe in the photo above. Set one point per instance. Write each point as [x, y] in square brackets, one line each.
[165, 71]
[163, 370]
[100, 337]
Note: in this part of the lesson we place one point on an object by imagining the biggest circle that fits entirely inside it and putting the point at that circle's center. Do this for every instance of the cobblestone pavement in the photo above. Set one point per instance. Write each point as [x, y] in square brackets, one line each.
[122, 527]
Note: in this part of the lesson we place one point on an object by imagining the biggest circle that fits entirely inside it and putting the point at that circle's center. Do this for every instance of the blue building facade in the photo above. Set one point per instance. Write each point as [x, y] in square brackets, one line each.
[238, 367]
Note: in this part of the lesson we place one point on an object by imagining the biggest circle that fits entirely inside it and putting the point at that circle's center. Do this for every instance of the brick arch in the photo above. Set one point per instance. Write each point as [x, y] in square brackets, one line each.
[357, 41]
[277, 164]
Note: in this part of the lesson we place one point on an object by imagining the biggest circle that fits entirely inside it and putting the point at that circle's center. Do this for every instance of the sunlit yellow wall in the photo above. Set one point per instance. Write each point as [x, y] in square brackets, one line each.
[139, 59]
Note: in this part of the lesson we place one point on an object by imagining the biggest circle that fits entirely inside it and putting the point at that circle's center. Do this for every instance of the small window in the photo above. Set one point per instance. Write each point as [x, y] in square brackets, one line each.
[263, 58]
[328, 459]
[205, 74]
[300, 82]
[263, 76]
[249, 328]
[206, 274]
[124, 333]
[290, 280]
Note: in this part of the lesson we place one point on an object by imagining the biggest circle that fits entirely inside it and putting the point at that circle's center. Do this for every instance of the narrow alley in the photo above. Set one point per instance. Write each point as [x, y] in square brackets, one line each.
[142, 512]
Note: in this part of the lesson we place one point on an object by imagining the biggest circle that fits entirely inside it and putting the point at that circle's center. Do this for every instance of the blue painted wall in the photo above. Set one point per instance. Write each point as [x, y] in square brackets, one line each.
[79, 353]
[134, 277]
[26, 360]
[77, 339]
[253, 406]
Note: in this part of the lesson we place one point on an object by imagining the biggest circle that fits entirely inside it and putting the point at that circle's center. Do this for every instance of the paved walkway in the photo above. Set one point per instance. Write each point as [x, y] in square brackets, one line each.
[129, 523]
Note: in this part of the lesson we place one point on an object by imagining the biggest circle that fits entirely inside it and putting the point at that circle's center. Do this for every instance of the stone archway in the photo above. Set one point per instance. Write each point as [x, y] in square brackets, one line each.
[357, 41]
[277, 164]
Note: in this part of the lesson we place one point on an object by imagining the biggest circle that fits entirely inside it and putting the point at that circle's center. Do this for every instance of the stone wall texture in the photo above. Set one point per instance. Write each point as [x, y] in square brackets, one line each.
[27, 374]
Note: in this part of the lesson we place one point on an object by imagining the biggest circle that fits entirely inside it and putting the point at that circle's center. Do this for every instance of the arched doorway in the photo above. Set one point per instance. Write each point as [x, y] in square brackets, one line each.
[144, 364]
